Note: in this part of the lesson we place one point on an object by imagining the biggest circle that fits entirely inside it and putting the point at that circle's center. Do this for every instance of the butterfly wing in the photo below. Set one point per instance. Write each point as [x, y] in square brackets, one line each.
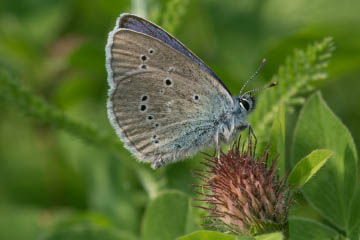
[141, 25]
[161, 103]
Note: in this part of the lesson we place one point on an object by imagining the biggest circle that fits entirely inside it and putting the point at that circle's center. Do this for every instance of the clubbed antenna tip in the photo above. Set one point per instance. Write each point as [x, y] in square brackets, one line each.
[263, 61]
[273, 84]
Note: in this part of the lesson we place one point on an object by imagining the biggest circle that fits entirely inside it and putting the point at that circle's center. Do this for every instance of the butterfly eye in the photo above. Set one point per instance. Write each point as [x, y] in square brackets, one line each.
[245, 104]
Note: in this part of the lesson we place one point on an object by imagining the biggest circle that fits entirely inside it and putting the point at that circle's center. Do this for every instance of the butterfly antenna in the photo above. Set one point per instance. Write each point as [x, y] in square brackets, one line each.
[253, 76]
[273, 84]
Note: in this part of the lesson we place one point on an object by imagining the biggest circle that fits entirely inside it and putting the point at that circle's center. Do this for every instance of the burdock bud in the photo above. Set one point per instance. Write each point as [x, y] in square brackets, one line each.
[243, 194]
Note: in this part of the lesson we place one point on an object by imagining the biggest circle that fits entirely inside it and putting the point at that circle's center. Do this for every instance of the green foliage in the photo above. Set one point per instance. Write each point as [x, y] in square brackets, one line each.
[210, 235]
[305, 169]
[169, 14]
[333, 190]
[295, 78]
[37, 107]
[270, 236]
[304, 229]
[31, 220]
[167, 217]
[354, 219]
[56, 187]
[276, 140]
[174, 12]
[86, 232]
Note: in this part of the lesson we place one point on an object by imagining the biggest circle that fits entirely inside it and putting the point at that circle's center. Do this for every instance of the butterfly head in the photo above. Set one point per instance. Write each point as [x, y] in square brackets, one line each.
[247, 103]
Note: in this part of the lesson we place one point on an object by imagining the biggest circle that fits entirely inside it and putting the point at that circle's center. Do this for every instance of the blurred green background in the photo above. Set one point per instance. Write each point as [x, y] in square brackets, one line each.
[55, 49]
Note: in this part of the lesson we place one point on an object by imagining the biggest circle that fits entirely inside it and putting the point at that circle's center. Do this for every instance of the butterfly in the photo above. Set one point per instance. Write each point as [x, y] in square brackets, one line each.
[164, 102]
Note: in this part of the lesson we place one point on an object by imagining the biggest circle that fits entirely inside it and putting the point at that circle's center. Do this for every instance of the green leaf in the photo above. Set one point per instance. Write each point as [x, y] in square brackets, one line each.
[333, 189]
[270, 236]
[210, 235]
[304, 229]
[355, 215]
[168, 216]
[307, 167]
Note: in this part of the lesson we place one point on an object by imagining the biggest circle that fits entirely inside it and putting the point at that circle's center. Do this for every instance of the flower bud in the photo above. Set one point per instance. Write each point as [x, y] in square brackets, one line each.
[243, 193]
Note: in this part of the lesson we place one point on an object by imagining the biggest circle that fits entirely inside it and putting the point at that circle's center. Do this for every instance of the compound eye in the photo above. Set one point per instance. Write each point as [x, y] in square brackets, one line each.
[245, 104]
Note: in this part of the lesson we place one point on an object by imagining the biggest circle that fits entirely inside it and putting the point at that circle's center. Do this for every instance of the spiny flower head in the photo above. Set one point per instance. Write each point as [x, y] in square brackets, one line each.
[243, 193]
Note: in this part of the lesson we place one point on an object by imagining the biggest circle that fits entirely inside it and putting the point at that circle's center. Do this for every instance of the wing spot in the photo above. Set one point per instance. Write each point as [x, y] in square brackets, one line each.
[150, 117]
[143, 66]
[156, 125]
[143, 108]
[151, 51]
[162, 91]
[154, 137]
[143, 58]
[156, 141]
[196, 98]
[144, 98]
[168, 82]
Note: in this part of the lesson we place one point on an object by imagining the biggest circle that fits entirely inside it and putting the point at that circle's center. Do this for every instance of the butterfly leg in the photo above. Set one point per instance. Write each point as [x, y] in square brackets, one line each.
[158, 163]
[232, 126]
[251, 132]
[217, 144]
[227, 133]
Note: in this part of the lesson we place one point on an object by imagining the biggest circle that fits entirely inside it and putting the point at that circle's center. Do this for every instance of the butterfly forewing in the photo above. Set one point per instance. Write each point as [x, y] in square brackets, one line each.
[141, 25]
[158, 103]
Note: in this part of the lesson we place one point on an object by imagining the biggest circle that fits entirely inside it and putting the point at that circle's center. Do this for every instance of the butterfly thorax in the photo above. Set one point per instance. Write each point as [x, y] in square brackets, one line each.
[235, 120]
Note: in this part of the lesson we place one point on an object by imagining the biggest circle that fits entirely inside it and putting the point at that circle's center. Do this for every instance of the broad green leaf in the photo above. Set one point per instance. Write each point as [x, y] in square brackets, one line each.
[305, 229]
[306, 168]
[168, 216]
[210, 235]
[270, 236]
[333, 189]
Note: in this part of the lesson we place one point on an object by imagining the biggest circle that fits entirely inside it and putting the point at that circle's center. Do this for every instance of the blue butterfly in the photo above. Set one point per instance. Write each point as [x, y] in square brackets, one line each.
[164, 102]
